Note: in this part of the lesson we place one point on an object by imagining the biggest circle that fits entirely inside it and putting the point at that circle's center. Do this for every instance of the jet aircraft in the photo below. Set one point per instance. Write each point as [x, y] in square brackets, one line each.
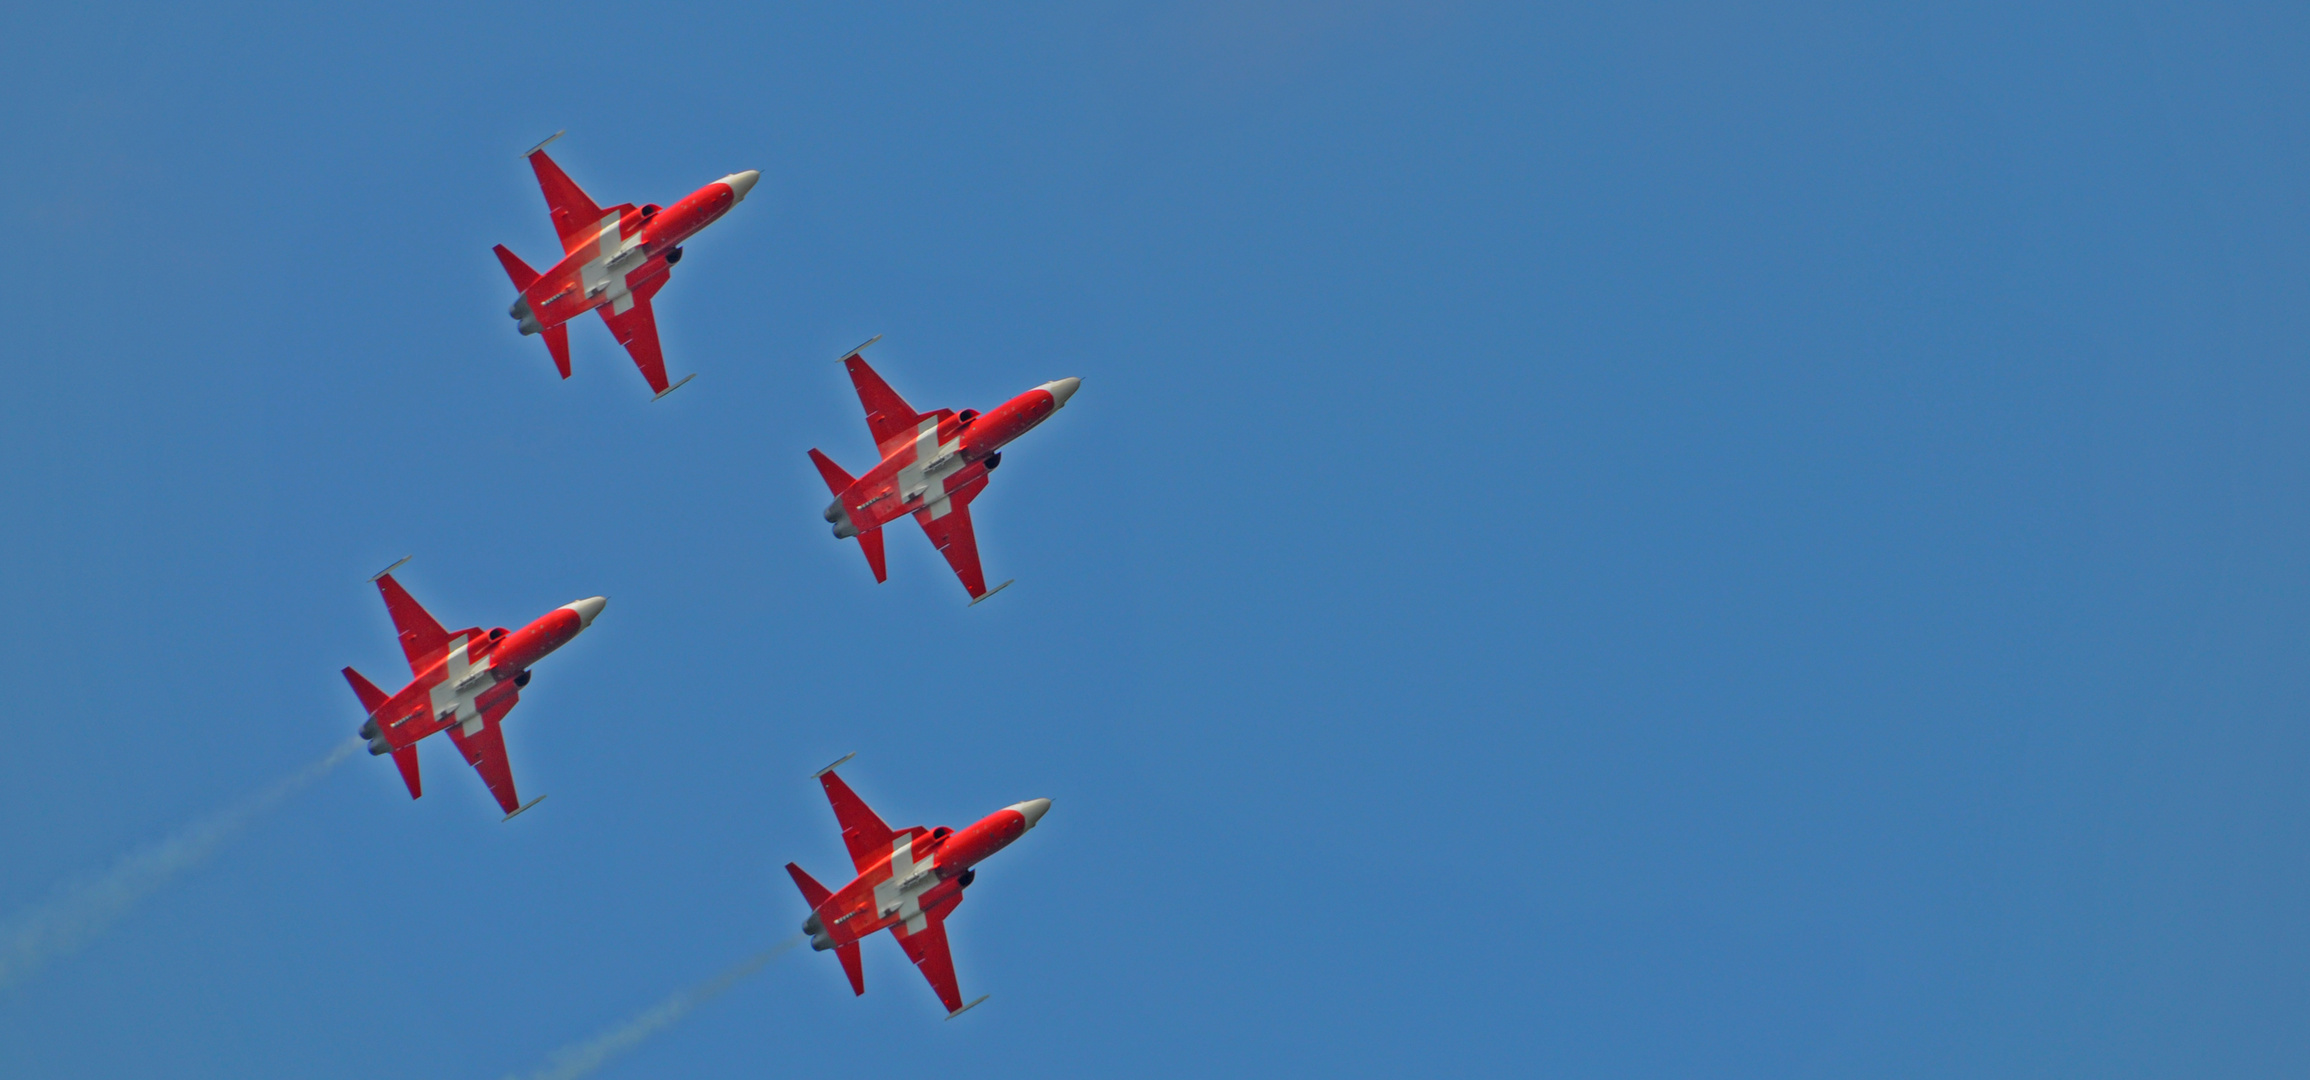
[933, 465]
[909, 881]
[462, 683]
[613, 261]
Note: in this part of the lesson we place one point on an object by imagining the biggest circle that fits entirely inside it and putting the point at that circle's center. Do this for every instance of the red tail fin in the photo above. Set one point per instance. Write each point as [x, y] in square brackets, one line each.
[812, 892]
[848, 954]
[837, 481]
[406, 759]
[557, 342]
[523, 277]
[372, 698]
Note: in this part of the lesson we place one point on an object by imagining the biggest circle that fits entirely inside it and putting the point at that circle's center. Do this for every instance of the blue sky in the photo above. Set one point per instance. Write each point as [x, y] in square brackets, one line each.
[1662, 541]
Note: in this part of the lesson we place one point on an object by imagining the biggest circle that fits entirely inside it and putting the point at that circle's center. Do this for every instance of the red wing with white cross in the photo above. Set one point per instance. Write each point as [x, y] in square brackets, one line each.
[463, 683]
[933, 464]
[614, 260]
[909, 881]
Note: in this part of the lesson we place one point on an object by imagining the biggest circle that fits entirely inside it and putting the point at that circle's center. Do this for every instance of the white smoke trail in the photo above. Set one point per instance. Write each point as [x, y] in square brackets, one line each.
[80, 910]
[578, 1059]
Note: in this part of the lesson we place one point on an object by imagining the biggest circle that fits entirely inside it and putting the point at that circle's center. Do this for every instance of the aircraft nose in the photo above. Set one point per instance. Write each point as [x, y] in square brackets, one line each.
[588, 608]
[1061, 391]
[741, 183]
[1032, 810]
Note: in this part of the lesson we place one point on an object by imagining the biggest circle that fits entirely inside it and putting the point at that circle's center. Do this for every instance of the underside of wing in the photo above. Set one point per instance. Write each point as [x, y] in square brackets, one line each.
[888, 415]
[485, 751]
[636, 328]
[927, 947]
[863, 832]
[576, 217]
[948, 524]
[423, 640]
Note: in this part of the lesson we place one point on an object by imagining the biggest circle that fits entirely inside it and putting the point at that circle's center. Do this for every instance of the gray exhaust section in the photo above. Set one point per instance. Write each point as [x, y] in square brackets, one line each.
[378, 745]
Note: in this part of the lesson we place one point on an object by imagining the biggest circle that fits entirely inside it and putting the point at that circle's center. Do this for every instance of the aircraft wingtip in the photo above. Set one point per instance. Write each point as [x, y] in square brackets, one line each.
[517, 812]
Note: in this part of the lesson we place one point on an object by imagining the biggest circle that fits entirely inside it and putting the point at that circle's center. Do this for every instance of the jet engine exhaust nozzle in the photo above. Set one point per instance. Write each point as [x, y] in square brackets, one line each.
[378, 746]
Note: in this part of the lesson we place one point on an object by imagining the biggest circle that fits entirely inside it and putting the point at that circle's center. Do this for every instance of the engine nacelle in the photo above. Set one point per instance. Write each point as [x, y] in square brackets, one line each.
[522, 679]
[822, 941]
[369, 728]
[993, 460]
[673, 256]
[378, 746]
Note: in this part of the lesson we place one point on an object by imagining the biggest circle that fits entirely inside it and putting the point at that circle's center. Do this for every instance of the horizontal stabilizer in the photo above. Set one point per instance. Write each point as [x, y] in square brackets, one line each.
[974, 1004]
[523, 277]
[848, 954]
[406, 760]
[837, 480]
[372, 698]
[871, 544]
[557, 342]
[813, 893]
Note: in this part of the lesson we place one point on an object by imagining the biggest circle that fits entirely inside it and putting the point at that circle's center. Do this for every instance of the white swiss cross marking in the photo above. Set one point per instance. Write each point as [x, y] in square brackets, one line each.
[461, 682]
[933, 462]
[601, 282]
[900, 894]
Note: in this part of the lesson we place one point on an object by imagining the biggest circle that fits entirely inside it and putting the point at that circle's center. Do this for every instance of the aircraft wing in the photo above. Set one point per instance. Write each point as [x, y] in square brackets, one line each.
[862, 829]
[888, 415]
[423, 640]
[927, 947]
[485, 751]
[948, 524]
[637, 329]
[576, 218]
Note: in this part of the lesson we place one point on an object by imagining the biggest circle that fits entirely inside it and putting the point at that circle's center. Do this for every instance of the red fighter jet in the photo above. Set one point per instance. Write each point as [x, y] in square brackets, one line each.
[613, 261]
[909, 881]
[464, 683]
[933, 465]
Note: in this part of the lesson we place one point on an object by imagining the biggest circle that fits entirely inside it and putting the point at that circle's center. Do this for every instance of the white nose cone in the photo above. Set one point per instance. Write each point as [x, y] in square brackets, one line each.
[1032, 810]
[588, 608]
[741, 183]
[1061, 391]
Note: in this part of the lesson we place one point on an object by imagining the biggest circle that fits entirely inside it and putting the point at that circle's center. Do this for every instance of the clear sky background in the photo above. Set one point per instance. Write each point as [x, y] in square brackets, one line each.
[1678, 540]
